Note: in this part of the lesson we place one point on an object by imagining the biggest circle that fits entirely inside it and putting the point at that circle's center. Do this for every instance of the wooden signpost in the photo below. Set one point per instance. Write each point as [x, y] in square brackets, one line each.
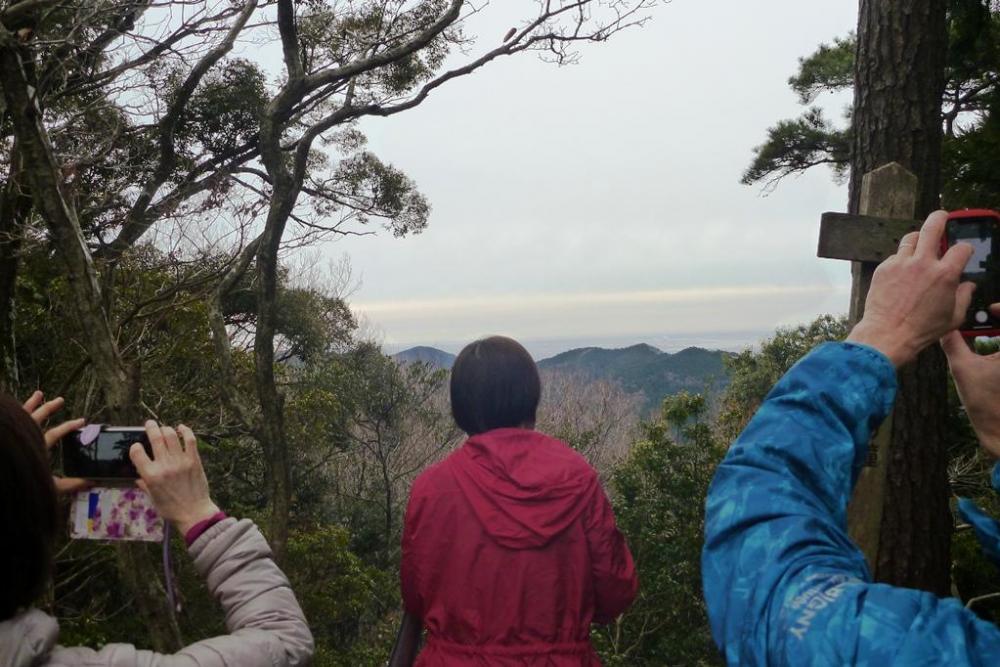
[888, 202]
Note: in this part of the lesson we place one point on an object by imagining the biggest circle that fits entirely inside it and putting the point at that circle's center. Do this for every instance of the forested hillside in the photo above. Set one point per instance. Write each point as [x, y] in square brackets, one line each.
[647, 370]
[427, 355]
[639, 369]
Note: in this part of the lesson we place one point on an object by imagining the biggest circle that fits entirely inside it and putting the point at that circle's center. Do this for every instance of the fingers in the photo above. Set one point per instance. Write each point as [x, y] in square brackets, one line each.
[156, 440]
[929, 243]
[957, 258]
[908, 244]
[140, 459]
[172, 442]
[42, 413]
[34, 401]
[68, 485]
[963, 297]
[955, 348]
[166, 444]
[190, 442]
[55, 434]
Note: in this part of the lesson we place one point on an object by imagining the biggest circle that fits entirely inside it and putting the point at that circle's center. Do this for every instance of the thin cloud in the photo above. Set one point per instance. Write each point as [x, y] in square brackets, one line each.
[509, 302]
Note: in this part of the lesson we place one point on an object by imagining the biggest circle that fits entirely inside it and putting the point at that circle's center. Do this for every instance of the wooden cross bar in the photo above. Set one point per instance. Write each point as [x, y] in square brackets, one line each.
[887, 206]
[888, 202]
[861, 238]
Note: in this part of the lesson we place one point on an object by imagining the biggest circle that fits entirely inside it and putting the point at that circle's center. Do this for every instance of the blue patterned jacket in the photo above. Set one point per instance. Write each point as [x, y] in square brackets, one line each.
[783, 582]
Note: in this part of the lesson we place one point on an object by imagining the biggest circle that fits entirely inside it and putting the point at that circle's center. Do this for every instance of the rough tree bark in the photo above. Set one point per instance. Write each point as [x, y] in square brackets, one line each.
[899, 81]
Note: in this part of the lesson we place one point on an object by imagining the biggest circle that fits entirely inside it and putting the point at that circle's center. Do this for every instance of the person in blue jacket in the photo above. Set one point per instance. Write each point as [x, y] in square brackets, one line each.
[783, 582]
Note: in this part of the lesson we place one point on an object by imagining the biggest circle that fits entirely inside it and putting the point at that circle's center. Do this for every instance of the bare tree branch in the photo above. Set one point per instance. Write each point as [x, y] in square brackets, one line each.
[137, 222]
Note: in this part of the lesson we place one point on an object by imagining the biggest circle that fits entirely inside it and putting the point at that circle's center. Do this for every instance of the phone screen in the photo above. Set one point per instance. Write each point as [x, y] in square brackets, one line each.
[979, 234]
[982, 269]
[104, 456]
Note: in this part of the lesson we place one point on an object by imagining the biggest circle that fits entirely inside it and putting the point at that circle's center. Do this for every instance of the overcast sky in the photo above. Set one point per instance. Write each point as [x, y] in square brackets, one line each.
[600, 204]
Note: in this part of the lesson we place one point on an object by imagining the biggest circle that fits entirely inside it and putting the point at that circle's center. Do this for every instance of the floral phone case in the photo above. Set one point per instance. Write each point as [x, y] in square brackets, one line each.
[115, 514]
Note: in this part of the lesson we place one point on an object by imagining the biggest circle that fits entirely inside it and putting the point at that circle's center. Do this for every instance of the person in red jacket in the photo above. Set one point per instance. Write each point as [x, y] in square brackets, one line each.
[510, 548]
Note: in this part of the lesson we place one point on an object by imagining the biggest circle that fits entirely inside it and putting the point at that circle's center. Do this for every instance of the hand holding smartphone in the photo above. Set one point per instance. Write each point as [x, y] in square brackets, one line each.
[116, 510]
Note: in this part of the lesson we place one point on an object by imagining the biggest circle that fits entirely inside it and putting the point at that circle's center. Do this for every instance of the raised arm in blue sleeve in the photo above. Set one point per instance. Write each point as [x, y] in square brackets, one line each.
[783, 582]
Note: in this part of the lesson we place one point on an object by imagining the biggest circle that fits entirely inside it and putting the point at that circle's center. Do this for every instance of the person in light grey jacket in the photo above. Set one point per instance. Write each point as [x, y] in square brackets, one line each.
[266, 624]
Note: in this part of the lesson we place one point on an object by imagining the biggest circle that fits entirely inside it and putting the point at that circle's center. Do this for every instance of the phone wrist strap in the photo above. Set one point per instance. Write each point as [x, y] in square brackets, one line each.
[168, 571]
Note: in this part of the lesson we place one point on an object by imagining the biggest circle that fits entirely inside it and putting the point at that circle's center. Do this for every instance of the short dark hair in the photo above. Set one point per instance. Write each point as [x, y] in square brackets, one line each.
[27, 509]
[494, 384]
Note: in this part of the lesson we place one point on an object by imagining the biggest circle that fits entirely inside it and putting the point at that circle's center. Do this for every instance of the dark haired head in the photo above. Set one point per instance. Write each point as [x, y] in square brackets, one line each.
[27, 509]
[494, 384]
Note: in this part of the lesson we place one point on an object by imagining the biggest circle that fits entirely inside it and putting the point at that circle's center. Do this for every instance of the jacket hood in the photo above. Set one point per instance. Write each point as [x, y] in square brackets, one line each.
[525, 487]
[27, 638]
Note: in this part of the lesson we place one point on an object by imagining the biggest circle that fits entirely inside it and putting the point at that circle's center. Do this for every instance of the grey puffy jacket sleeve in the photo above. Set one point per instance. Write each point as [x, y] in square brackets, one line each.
[266, 624]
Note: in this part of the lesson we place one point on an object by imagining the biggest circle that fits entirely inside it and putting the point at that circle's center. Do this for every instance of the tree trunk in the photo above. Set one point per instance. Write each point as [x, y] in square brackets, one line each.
[915, 544]
[899, 81]
[272, 413]
[15, 206]
[118, 384]
[272, 425]
[286, 184]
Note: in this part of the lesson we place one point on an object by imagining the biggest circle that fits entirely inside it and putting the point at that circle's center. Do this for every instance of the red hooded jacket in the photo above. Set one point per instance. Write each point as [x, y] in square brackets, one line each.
[510, 551]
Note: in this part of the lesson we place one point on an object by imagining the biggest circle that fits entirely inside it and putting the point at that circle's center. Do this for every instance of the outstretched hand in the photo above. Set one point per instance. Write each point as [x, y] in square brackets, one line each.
[916, 296]
[174, 477]
[40, 411]
[977, 378]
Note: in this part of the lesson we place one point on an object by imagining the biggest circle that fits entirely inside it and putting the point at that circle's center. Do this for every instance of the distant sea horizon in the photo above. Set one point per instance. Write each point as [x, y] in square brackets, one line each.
[543, 348]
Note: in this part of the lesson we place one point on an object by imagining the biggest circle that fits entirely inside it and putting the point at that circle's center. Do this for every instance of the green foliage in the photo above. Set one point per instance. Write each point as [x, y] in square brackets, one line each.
[105, 157]
[973, 574]
[165, 332]
[754, 372]
[333, 35]
[681, 408]
[794, 146]
[224, 111]
[659, 495]
[830, 68]
[987, 345]
[309, 323]
[349, 603]
[970, 166]
[974, 43]
[380, 190]
[312, 323]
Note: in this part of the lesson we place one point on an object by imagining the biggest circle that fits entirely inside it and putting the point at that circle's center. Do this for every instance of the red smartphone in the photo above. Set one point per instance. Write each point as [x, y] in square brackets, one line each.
[980, 228]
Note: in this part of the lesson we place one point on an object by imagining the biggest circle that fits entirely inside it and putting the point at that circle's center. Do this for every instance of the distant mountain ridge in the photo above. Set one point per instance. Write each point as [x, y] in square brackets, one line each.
[644, 368]
[639, 368]
[428, 355]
